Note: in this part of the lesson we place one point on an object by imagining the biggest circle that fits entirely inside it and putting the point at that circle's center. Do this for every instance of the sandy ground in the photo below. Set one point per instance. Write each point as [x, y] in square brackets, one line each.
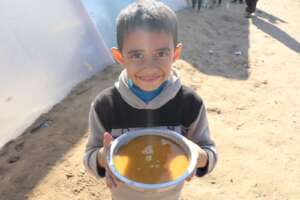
[253, 103]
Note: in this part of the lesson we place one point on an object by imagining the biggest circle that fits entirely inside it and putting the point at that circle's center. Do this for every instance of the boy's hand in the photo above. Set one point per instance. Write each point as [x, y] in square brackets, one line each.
[111, 180]
[201, 160]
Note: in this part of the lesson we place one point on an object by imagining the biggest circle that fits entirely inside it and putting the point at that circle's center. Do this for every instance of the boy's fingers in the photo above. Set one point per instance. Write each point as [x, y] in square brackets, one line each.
[111, 181]
[114, 179]
[107, 139]
[108, 182]
[191, 176]
[202, 158]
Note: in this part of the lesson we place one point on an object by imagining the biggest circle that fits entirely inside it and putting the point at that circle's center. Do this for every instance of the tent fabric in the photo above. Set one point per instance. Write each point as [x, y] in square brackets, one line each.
[47, 47]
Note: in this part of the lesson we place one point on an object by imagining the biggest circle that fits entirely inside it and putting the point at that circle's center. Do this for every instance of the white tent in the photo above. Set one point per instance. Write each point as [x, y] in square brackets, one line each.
[47, 47]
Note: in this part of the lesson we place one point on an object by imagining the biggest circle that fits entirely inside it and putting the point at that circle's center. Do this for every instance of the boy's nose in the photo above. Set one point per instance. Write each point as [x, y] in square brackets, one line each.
[151, 63]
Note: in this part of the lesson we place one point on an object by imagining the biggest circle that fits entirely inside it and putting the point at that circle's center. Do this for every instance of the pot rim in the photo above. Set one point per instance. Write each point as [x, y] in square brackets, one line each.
[187, 145]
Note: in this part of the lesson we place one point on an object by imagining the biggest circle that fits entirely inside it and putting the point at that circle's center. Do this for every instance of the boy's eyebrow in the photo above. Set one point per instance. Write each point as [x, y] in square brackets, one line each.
[140, 51]
[163, 49]
[135, 51]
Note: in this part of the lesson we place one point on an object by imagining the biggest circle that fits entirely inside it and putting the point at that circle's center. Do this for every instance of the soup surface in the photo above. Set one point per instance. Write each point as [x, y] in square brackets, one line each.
[151, 159]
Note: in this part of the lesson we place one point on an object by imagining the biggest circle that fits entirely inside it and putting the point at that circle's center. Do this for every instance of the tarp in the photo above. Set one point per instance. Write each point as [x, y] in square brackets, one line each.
[47, 47]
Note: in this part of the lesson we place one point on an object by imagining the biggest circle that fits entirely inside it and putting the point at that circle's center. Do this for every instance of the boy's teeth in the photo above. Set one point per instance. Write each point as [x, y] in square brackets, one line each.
[149, 79]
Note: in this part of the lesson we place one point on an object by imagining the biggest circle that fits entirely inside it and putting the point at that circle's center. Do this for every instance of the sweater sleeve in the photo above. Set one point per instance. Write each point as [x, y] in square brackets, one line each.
[199, 133]
[96, 131]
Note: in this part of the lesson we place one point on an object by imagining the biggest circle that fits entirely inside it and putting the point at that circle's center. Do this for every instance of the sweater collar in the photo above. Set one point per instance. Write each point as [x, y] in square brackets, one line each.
[168, 92]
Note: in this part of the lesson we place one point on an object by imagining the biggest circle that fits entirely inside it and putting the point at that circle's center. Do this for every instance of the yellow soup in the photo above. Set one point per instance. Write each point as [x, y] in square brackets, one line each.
[151, 159]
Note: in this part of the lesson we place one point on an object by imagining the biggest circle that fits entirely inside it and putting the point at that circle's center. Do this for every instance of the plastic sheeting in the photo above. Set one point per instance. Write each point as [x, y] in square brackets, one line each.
[104, 15]
[47, 47]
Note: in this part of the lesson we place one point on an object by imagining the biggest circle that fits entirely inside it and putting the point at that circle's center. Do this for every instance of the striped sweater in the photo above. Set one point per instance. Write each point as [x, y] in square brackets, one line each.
[117, 110]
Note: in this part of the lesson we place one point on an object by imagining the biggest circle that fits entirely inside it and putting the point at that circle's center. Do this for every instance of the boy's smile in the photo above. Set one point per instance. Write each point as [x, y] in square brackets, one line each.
[147, 57]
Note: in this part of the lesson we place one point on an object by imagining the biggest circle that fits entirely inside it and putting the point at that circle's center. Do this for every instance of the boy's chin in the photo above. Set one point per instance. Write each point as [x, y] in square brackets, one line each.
[148, 88]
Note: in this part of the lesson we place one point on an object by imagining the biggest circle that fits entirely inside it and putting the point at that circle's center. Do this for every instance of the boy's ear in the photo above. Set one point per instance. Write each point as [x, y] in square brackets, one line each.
[177, 53]
[117, 55]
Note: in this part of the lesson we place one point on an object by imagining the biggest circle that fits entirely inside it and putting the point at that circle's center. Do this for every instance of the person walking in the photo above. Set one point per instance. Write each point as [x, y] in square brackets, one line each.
[199, 2]
[251, 7]
[235, 1]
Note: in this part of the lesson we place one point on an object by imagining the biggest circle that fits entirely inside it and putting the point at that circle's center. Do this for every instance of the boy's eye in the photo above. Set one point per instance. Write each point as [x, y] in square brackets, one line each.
[162, 54]
[137, 56]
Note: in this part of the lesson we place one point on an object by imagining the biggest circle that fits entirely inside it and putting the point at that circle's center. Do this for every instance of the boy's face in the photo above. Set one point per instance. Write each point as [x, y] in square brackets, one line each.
[147, 57]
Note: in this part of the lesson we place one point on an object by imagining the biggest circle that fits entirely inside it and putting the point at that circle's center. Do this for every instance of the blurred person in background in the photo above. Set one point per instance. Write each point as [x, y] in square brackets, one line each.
[199, 2]
[251, 7]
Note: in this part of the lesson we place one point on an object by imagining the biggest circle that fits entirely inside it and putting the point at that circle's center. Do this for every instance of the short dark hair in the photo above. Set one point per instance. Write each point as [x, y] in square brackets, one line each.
[150, 15]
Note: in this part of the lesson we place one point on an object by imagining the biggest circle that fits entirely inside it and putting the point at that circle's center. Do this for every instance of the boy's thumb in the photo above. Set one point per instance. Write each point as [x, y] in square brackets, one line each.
[107, 139]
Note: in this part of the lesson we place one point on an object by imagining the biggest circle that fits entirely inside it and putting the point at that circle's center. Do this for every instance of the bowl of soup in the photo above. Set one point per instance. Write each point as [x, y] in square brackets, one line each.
[152, 159]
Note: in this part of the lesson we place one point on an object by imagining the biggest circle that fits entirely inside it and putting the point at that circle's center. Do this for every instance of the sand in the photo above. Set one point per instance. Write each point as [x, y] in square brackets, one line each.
[247, 72]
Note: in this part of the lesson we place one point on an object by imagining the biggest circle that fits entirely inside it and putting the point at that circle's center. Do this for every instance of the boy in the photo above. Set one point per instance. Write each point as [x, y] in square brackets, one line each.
[148, 94]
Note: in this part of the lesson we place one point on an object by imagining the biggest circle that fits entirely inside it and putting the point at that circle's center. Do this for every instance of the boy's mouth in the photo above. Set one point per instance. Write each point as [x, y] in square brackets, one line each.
[148, 78]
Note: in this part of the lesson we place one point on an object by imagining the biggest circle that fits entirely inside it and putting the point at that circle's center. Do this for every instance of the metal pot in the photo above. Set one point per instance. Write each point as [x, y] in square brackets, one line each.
[186, 145]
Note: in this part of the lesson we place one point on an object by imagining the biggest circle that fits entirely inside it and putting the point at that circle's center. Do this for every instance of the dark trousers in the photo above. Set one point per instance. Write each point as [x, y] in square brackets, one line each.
[251, 6]
[199, 3]
[234, 1]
